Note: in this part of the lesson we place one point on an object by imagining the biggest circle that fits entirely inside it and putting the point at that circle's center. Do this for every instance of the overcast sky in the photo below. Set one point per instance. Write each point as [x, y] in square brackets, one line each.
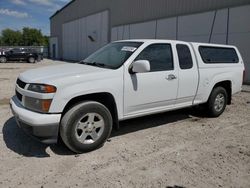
[16, 14]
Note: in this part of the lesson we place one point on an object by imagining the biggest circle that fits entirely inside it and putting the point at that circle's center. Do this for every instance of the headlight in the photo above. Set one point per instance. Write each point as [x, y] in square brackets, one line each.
[42, 88]
[38, 105]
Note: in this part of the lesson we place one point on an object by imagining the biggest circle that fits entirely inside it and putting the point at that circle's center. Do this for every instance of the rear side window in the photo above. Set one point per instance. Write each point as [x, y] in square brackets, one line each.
[218, 55]
[184, 55]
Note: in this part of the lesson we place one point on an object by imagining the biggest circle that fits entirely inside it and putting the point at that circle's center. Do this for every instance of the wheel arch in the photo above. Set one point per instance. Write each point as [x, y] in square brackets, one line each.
[31, 55]
[227, 85]
[4, 56]
[104, 98]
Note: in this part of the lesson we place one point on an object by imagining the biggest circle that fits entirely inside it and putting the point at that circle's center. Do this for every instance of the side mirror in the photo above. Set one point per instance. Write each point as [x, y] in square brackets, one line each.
[140, 66]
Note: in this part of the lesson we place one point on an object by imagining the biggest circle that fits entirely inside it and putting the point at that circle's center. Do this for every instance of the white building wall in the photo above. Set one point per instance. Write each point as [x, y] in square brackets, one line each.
[82, 43]
[143, 30]
[114, 33]
[70, 40]
[53, 41]
[219, 32]
[225, 26]
[195, 27]
[76, 36]
[166, 28]
[239, 33]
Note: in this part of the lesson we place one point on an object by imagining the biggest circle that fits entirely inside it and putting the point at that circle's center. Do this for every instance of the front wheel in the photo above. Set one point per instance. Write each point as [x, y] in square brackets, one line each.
[217, 102]
[86, 126]
[3, 59]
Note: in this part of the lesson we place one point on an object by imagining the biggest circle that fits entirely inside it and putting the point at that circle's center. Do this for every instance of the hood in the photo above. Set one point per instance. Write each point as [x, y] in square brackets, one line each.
[50, 74]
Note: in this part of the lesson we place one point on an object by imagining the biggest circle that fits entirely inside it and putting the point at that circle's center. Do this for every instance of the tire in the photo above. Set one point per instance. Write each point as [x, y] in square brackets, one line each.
[217, 102]
[86, 126]
[31, 60]
[3, 59]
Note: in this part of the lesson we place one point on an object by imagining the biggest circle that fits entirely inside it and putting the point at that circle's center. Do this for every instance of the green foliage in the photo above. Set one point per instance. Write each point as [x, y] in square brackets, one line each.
[46, 40]
[26, 37]
[11, 38]
[32, 37]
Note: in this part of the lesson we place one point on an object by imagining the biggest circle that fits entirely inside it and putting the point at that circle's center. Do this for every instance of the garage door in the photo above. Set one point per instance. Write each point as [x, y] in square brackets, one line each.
[84, 36]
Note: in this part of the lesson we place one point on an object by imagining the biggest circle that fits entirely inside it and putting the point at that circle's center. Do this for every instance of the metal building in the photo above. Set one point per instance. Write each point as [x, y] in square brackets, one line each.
[83, 26]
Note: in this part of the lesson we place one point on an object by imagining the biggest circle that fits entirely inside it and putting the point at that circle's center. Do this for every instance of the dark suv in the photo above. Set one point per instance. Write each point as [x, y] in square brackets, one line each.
[20, 54]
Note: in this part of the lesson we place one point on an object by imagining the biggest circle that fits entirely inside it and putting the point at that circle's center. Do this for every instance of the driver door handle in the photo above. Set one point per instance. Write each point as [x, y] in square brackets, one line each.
[171, 77]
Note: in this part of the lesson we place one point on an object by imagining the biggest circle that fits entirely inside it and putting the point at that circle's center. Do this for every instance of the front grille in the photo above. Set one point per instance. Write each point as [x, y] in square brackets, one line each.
[20, 83]
[19, 96]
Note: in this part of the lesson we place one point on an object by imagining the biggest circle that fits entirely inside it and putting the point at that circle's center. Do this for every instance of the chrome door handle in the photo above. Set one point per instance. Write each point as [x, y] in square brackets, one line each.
[171, 77]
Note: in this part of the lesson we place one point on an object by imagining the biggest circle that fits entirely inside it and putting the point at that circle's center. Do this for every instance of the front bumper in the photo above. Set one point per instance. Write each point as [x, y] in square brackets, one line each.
[43, 127]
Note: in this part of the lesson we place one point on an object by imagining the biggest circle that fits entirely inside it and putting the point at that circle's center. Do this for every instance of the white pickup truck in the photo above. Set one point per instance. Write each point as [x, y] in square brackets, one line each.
[82, 102]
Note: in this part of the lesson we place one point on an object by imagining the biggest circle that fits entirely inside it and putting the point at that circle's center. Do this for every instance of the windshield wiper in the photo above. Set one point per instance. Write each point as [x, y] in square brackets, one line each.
[99, 64]
[95, 64]
[85, 63]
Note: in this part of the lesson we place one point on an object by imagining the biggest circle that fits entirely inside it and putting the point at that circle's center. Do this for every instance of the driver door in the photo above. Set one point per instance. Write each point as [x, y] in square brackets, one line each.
[153, 91]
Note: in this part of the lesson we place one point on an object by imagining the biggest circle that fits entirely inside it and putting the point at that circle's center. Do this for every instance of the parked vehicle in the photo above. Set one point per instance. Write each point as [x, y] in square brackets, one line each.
[20, 54]
[123, 80]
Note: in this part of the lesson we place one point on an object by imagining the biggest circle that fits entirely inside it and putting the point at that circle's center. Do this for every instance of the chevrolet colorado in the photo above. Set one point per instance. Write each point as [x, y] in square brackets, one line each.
[82, 102]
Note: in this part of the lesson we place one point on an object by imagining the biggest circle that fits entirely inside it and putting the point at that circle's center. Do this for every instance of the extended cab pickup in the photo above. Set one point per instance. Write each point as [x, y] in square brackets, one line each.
[126, 79]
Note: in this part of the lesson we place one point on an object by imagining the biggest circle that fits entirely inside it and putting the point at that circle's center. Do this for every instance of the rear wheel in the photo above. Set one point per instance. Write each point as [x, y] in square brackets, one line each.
[31, 60]
[217, 101]
[86, 126]
[3, 59]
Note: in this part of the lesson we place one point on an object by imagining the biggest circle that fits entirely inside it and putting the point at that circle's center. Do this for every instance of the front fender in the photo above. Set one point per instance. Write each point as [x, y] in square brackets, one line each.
[64, 95]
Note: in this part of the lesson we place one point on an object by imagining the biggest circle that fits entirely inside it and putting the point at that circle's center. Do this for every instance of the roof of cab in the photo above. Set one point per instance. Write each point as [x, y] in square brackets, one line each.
[165, 40]
[148, 40]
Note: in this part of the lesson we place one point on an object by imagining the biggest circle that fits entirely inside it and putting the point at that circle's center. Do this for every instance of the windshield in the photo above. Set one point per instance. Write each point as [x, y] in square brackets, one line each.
[112, 55]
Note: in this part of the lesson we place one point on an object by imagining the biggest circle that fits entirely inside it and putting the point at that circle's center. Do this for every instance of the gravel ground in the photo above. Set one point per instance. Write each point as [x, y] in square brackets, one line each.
[175, 149]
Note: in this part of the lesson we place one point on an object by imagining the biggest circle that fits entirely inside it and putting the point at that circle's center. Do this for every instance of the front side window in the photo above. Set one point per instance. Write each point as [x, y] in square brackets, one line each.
[184, 56]
[218, 55]
[159, 56]
[112, 55]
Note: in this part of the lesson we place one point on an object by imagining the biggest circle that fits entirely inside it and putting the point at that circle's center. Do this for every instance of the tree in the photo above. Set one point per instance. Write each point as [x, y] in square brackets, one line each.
[32, 37]
[11, 37]
[45, 40]
[26, 37]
